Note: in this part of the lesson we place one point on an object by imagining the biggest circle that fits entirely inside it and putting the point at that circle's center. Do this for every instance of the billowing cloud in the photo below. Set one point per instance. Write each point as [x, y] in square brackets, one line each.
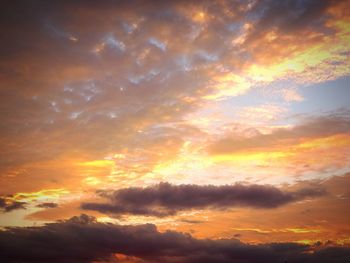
[82, 239]
[166, 199]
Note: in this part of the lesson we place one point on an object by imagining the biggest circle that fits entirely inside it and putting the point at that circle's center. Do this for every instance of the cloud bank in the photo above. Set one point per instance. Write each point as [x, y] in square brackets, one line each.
[166, 199]
[83, 239]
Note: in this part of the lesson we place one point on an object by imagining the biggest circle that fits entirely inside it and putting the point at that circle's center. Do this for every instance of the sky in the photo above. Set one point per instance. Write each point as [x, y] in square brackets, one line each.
[175, 131]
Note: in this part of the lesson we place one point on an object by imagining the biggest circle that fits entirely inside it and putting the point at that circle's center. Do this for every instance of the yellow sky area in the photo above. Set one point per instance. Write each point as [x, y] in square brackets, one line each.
[146, 167]
[94, 171]
[86, 168]
[45, 195]
[197, 15]
[191, 162]
[283, 230]
[258, 158]
[115, 171]
[314, 243]
[97, 163]
[189, 159]
[121, 172]
[19, 217]
[124, 258]
[73, 172]
[327, 55]
[290, 223]
[320, 54]
[287, 156]
[254, 235]
[228, 85]
[310, 50]
[285, 150]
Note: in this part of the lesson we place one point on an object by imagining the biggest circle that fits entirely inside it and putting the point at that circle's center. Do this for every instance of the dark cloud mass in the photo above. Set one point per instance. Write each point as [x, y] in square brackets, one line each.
[7, 205]
[166, 199]
[290, 15]
[82, 239]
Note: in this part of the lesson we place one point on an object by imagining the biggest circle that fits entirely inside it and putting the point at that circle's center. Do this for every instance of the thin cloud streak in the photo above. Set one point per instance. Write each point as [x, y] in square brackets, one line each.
[324, 126]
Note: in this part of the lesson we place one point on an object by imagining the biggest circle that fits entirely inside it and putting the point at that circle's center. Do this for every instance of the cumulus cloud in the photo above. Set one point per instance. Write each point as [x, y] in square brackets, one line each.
[165, 199]
[83, 239]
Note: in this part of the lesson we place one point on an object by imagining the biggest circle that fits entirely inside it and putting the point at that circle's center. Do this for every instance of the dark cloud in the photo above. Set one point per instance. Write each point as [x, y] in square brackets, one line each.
[82, 239]
[47, 205]
[323, 126]
[8, 205]
[189, 221]
[166, 199]
[289, 15]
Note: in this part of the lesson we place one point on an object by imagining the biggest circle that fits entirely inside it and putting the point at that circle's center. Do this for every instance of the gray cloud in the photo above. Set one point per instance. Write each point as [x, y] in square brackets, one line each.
[165, 199]
[8, 205]
[82, 239]
[290, 15]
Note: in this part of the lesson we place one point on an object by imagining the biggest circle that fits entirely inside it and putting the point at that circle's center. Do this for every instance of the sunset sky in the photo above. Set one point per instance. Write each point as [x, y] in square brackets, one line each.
[175, 131]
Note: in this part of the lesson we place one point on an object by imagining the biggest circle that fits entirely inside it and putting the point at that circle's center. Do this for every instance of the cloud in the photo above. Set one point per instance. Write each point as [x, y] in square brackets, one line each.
[317, 127]
[290, 15]
[47, 205]
[76, 105]
[165, 199]
[83, 82]
[83, 239]
[8, 205]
